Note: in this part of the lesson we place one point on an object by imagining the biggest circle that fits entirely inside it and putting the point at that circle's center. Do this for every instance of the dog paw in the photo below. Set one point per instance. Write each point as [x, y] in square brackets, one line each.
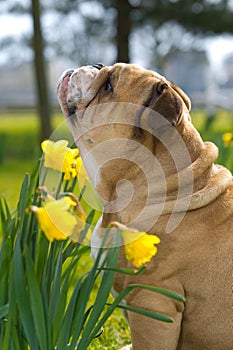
[127, 347]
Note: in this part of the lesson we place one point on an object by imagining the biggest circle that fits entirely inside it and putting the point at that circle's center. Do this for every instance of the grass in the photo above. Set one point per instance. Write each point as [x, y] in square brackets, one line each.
[20, 149]
[212, 127]
[11, 176]
[18, 152]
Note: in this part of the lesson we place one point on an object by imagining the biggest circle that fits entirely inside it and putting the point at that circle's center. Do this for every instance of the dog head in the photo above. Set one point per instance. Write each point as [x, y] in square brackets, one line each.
[115, 114]
[122, 83]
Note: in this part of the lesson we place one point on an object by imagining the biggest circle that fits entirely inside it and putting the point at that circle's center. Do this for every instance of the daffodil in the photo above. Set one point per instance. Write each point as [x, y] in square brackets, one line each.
[228, 139]
[60, 157]
[139, 246]
[81, 172]
[56, 220]
[78, 165]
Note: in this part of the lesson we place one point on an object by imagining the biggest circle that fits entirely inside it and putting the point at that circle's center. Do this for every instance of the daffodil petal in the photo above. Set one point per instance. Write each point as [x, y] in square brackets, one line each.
[61, 204]
[47, 145]
[55, 220]
[60, 157]
[61, 144]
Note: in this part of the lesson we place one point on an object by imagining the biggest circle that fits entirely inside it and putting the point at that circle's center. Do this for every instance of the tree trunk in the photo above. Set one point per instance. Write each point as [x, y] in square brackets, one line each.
[43, 106]
[123, 30]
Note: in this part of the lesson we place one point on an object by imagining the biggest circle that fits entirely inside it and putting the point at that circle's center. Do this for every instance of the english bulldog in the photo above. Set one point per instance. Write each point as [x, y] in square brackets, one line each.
[154, 173]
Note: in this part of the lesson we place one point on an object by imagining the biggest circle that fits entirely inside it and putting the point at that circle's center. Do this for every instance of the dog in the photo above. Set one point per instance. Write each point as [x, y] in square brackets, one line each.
[154, 173]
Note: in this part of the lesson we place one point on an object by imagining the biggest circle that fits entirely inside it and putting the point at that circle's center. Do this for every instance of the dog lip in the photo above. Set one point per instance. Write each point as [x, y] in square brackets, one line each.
[69, 108]
[62, 89]
[66, 74]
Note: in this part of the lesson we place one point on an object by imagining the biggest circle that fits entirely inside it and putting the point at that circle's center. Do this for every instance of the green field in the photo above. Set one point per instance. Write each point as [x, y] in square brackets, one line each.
[20, 149]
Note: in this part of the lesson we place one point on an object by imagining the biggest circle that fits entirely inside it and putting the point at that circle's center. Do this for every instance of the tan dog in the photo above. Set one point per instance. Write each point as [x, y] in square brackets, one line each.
[154, 173]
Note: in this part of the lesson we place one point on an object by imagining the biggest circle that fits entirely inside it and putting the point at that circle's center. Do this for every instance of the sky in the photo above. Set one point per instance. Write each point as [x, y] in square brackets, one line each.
[217, 48]
[10, 25]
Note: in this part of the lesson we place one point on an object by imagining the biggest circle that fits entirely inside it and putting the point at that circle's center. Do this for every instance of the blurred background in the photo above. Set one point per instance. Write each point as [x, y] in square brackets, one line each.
[189, 41]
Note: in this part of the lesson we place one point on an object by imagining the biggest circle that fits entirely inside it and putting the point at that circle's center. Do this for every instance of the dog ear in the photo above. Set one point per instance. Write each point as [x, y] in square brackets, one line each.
[168, 101]
[183, 95]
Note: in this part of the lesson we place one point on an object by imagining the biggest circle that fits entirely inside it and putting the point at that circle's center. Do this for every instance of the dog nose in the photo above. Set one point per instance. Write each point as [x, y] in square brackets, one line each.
[98, 65]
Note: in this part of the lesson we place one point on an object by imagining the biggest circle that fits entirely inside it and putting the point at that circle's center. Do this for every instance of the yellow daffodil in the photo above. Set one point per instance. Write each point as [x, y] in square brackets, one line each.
[81, 172]
[55, 219]
[139, 246]
[78, 165]
[228, 139]
[60, 157]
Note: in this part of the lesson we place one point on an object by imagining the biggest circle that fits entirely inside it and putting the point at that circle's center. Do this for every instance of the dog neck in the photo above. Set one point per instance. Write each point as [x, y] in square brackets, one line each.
[157, 178]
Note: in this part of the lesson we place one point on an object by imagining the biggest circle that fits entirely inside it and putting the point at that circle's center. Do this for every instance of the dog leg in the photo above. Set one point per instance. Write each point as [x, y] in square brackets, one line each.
[151, 334]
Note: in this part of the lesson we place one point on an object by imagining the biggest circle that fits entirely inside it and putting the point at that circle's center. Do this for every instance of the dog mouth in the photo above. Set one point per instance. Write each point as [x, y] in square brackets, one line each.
[62, 92]
[69, 100]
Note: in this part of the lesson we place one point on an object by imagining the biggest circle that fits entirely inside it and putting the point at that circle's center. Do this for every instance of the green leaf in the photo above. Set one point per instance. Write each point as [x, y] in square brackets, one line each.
[4, 310]
[125, 271]
[166, 292]
[65, 329]
[5, 263]
[82, 301]
[41, 256]
[56, 283]
[155, 315]
[36, 303]
[58, 298]
[11, 316]
[5, 213]
[17, 341]
[22, 204]
[103, 292]
[22, 297]
[84, 296]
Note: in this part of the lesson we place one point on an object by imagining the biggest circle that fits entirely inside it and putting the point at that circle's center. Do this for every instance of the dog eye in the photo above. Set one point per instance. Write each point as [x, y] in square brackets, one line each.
[108, 85]
[160, 87]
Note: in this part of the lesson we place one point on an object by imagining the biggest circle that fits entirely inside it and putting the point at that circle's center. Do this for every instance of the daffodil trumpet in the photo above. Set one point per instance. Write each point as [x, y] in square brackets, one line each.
[139, 246]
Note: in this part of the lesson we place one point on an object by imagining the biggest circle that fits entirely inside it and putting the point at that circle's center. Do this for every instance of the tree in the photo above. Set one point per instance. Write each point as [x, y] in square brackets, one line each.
[169, 22]
[40, 74]
[199, 17]
[99, 28]
[123, 30]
